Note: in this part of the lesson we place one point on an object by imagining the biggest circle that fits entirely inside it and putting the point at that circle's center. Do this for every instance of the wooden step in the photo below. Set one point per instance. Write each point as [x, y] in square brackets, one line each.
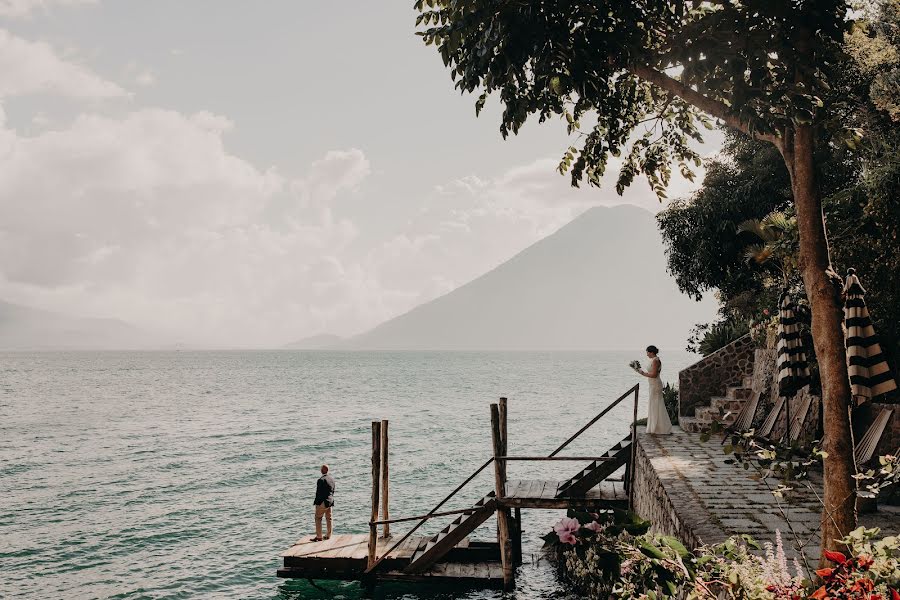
[439, 545]
[597, 471]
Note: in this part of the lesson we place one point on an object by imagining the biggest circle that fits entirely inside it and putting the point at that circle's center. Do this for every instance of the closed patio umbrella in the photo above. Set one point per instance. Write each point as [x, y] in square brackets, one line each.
[870, 375]
[793, 369]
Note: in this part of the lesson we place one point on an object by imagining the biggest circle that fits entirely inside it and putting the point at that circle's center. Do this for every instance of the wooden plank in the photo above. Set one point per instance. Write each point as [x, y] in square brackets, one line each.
[548, 489]
[357, 549]
[513, 487]
[339, 542]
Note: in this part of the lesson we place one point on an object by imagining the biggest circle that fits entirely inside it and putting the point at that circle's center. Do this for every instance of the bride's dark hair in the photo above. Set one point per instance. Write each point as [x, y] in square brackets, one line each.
[653, 349]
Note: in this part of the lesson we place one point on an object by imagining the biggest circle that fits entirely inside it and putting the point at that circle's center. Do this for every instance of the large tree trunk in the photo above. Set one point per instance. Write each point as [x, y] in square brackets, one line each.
[823, 291]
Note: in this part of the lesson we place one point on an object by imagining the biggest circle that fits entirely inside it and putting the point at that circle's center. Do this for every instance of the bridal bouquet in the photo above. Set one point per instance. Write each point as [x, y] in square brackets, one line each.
[635, 364]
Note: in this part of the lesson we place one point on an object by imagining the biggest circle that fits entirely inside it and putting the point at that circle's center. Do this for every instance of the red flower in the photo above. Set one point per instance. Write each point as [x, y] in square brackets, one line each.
[864, 561]
[820, 594]
[825, 573]
[835, 557]
[895, 595]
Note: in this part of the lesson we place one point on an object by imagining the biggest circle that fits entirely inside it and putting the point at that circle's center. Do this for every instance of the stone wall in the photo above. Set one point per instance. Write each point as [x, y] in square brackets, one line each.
[651, 500]
[712, 374]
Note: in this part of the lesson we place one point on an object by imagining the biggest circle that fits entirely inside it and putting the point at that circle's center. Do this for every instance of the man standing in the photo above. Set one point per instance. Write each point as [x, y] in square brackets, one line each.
[323, 502]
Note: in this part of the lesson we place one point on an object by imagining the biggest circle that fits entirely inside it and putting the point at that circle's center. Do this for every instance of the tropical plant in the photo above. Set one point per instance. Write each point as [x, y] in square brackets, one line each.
[777, 243]
[650, 76]
[719, 335]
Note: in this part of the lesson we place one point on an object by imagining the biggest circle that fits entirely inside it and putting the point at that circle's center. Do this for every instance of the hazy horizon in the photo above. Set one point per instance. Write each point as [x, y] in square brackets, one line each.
[323, 179]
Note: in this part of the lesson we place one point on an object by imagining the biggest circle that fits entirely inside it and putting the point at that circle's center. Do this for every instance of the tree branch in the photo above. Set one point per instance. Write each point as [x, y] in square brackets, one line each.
[708, 105]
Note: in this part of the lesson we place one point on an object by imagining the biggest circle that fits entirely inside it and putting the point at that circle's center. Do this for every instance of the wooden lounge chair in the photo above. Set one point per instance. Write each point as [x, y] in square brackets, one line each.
[799, 419]
[868, 443]
[744, 420]
[765, 430]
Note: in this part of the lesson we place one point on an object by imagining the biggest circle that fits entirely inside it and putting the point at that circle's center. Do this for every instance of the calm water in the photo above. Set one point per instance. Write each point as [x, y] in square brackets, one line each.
[185, 474]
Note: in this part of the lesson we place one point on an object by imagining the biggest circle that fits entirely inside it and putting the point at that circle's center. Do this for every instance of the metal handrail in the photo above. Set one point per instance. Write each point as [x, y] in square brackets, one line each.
[430, 514]
[433, 512]
[595, 419]
[535, 458]
[425, 517]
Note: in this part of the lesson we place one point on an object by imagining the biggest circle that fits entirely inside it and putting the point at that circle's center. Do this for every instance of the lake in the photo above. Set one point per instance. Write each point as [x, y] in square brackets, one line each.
[185, 474]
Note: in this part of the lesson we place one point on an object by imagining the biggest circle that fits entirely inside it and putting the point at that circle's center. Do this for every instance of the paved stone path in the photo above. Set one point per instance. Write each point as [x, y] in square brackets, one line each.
[716, 500]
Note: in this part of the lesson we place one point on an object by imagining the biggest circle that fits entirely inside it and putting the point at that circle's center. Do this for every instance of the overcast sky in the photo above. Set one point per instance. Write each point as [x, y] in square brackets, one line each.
[251, 173]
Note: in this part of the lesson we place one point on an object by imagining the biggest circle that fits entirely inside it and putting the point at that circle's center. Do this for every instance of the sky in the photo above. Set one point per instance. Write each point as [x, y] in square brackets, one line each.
[247, 174]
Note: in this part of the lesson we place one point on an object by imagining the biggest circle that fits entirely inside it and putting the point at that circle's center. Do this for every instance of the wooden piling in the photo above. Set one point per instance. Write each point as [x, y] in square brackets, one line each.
[517, 537]
[385, 479]
[503, 516]
[376, 476]
[504, 430]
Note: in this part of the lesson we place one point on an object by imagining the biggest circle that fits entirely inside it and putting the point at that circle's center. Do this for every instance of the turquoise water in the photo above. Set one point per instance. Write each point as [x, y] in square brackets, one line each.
[185, 474]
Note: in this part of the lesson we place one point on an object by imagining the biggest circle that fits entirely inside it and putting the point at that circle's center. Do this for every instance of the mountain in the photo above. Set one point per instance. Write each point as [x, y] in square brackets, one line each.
[600, 282]
[24, 328]
[315, 342]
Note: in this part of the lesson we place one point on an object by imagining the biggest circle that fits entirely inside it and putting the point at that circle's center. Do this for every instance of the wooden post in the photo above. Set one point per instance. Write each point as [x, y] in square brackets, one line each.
[503, 517]
[503, 435]
[376, 476]
[385, 479]
[517, 538]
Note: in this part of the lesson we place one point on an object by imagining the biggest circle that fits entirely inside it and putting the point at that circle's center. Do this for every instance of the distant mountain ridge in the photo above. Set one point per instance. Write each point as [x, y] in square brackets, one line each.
[25, 328]
[600, 282]
[315, 342]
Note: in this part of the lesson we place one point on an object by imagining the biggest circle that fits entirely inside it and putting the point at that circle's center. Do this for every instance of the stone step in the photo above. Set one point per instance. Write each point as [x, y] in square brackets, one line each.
[707, 415]
[725, 404]
[738, 392]
[690, 425]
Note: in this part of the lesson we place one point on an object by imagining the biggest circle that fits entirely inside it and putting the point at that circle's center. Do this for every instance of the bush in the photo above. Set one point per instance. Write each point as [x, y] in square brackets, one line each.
[720, 335]
[670, 397]
[613, 556]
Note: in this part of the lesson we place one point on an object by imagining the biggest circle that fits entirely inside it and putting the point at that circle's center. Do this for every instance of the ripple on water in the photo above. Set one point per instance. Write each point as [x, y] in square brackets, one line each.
[184, 474]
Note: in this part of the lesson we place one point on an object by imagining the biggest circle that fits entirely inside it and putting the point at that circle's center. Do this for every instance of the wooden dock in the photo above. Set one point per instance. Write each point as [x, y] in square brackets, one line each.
[345, 557]
[450, 555]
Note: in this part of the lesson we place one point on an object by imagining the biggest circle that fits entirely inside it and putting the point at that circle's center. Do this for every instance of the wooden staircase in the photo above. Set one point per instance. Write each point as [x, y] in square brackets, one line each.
[597, 471]
[432, 550]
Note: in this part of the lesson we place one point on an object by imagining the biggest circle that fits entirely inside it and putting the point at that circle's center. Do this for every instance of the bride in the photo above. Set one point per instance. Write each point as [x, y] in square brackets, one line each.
[658, 422]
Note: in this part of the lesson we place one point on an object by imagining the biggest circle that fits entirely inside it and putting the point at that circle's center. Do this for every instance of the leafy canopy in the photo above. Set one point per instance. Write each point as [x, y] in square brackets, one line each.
[638, 78]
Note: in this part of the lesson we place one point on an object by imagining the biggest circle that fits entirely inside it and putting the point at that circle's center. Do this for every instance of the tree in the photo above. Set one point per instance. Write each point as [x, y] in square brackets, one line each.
[649, 75]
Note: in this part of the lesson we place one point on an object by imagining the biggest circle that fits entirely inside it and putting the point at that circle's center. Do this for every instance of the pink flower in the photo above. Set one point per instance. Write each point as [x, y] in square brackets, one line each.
[594, 526]
[766, 311]
[566, 530]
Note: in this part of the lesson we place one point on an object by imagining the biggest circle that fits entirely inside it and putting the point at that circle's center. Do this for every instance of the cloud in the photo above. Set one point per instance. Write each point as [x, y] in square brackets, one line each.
[34, 67]
[25, 8]
[145, 78]
[149, 218]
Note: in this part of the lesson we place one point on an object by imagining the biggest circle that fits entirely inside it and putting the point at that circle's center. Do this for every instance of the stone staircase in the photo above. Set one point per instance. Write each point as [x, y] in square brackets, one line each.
[723, 409]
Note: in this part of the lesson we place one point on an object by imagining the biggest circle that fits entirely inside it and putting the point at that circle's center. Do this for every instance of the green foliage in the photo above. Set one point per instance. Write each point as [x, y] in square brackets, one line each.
[778, 245]
[704, 249]
[706, 244]
[670, 398]
[706, 339]
[603, 67]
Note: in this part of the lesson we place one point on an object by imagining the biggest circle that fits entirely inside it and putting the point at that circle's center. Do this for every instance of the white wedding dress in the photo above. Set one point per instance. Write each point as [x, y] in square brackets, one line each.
[658, 421]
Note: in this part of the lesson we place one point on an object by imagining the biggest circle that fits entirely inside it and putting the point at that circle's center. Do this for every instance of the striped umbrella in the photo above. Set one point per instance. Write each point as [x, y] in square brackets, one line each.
[793, 370]
[870, 374]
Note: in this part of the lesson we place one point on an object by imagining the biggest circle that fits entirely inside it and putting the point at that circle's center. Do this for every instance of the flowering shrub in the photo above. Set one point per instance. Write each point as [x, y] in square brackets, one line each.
[613, 556]
[871, 572]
